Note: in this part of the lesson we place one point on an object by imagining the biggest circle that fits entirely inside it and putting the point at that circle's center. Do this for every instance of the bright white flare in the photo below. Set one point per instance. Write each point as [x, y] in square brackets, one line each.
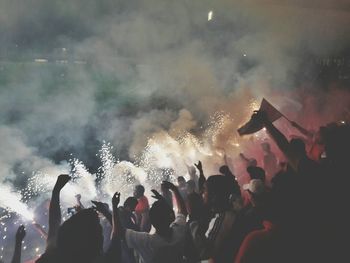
[11, 200]
[210, 15]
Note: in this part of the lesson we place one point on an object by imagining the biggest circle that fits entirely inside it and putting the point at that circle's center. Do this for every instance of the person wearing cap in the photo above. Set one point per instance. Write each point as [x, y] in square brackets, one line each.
[255, 172]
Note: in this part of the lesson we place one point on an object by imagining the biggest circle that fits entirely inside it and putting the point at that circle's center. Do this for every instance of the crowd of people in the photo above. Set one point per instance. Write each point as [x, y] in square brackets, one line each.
[295, 211]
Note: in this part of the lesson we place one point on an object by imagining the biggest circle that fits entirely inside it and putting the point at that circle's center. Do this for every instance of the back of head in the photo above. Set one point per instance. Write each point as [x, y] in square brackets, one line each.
[225, 170]
[256, 172]
[181, 180]
[219, 191]
[80, 237]
[139, 191]
[191, 186]
[161, 215]
[298, 146]
[194, 206]
[131, 203]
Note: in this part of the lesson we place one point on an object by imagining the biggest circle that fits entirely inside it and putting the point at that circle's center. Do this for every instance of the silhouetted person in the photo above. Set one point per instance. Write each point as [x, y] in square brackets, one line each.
[182, 186]
[128, 220]
[211, 233]
[167, 244]
[142, 209]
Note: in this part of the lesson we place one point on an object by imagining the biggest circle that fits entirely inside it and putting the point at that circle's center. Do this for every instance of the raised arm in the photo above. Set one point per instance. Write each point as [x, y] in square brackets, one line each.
[118, 229]
[55, 210]
[113, 253]
[201, 179]
[79, 205]
[18, 245]
[104, 210]
[181, 207]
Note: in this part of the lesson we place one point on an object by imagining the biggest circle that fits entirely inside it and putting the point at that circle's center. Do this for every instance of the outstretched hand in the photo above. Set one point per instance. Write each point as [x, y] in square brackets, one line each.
[62, 180]
[21, 233]
[156, 194]
[168, 185]
[116, 200]
[100, 207]
[199, 165]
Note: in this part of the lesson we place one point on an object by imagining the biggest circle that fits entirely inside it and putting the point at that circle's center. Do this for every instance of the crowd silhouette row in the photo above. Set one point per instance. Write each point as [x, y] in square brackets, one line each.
[295, 211]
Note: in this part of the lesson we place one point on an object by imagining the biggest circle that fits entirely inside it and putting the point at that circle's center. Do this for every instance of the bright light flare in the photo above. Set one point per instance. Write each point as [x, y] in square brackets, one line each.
[210, 15]
[41, 60]
[10, 200]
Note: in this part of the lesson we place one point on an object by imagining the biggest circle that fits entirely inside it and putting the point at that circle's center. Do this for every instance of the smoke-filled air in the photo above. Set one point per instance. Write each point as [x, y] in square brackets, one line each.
[118, 93]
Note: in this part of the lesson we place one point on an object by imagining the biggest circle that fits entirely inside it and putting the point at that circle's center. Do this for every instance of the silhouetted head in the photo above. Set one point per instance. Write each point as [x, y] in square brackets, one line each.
[256, 172]
[130, 203]
[161, 215]
[298, 146]
[181, 181]
[225, 170]
[139, 191]
[252, 162]
[217, 193]
[194, 205]
[191, 186]
[80, 238]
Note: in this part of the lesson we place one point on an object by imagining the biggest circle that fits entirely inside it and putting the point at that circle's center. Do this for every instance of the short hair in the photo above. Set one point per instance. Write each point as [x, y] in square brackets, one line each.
[80, 237]
[256, 172]
[131, 202]
[181, 178]
[191, 184]
[219, 187]
[297, 145]
[140, 188]
[161, 214]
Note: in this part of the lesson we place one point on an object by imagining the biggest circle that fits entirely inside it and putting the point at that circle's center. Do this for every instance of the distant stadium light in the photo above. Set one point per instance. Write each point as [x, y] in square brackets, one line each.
[40, 60]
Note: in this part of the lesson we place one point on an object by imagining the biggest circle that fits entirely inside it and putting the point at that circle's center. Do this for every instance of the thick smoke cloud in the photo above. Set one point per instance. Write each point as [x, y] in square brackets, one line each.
[76, 73]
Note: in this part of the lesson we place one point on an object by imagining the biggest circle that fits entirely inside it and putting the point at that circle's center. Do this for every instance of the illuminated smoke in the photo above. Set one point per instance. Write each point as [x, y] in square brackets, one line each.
[11, 200]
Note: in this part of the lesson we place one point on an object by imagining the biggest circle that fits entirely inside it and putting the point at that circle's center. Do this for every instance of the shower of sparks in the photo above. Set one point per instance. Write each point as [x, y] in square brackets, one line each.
[107, 159]
[11, 200]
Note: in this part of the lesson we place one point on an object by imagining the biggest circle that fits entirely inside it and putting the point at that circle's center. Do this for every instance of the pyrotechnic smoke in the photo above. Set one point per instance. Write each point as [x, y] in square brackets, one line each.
[157, 79]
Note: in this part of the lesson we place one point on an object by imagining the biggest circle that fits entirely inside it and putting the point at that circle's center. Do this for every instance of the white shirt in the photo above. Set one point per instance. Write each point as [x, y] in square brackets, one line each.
[154, 248]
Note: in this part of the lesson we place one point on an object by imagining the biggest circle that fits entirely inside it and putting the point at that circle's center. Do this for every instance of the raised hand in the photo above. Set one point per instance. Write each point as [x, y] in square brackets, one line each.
[156, 195]
[62, 180]
[168, 185]
[100, 207]
[21, 233]
[199, 165]
[116, 200]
